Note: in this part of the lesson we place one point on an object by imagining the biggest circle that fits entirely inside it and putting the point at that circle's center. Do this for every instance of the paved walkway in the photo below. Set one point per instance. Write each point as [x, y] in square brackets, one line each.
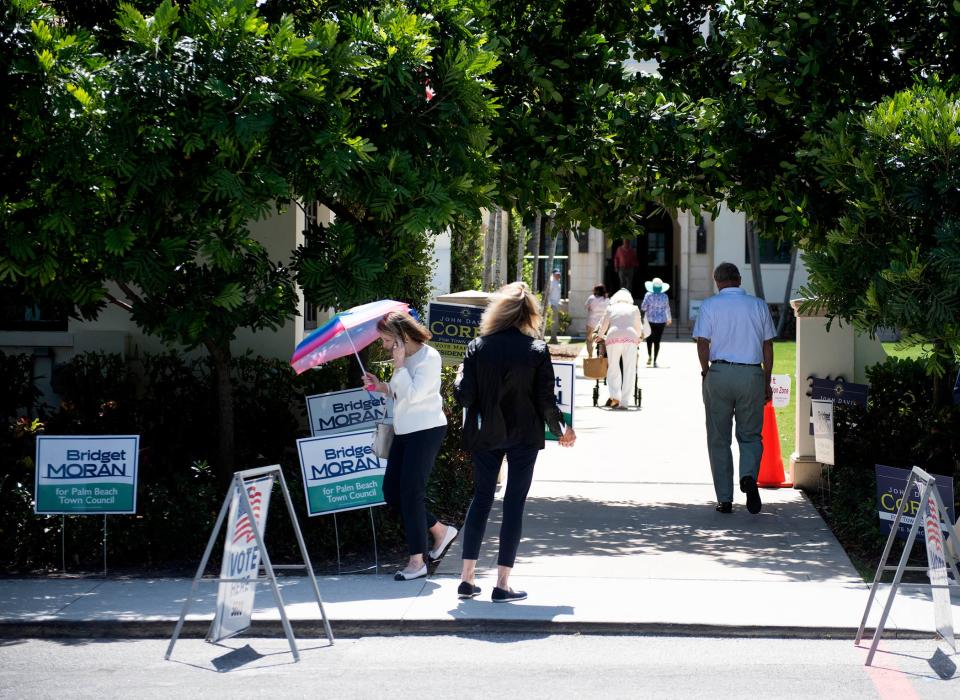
[620, 535]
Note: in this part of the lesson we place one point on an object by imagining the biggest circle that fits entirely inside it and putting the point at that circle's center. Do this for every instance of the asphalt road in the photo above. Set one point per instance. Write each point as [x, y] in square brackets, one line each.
[487, 666]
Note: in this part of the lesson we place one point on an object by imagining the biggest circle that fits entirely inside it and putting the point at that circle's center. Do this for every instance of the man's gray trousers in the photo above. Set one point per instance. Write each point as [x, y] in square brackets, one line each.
[733, 392]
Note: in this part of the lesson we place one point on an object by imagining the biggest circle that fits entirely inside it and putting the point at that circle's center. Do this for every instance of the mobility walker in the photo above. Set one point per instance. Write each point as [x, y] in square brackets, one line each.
[637, 391]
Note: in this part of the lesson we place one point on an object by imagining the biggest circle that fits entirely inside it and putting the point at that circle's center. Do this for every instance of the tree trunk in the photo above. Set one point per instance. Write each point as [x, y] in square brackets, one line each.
[753, 245]
[220, 353]
[782, 321]
[488, 242]
[943, 384]
[498, 261]
[521, 246]
[552, 252]
[537, 224]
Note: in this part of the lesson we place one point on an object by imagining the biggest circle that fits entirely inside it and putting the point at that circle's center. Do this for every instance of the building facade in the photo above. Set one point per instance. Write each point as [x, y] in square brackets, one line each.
[683, 254]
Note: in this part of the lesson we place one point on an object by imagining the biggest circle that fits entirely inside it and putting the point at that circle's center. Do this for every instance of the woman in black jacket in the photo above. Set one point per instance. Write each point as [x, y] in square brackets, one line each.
[506, 386]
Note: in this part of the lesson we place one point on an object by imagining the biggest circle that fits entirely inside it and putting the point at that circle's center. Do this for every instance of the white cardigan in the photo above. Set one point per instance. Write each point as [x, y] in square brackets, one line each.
[415, 390]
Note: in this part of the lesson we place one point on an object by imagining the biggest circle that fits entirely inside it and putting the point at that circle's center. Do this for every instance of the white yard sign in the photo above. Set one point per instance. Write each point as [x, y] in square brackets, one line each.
[823, 430]
[780, 383]
[85, 474]
[241, 560]
[937, 572]
[564, 378]
[345, 411]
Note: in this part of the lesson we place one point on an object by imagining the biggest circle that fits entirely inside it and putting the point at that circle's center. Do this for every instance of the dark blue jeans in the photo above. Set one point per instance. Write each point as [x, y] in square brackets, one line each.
[411, 460]
[486, 466]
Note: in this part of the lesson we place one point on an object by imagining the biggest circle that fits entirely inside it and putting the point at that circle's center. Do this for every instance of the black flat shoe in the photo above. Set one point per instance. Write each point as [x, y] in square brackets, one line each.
[467, 590]
[725, 507]
[501, 595]
[749, 486]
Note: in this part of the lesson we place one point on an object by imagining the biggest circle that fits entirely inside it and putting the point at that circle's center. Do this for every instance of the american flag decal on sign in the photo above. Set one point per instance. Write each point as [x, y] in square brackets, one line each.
[244, 528]
[241, 557]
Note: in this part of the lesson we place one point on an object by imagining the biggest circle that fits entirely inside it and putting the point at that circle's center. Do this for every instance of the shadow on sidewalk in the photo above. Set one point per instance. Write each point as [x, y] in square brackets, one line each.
[787, 540]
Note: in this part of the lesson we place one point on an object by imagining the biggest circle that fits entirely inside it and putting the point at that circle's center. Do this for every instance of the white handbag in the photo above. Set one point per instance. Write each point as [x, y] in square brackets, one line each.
[646, 330]
[383, 438]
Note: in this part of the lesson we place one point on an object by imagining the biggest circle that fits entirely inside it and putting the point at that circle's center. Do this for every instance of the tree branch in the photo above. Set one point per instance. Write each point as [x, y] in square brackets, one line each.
[125, 288]
[337, 208]
[119, 302]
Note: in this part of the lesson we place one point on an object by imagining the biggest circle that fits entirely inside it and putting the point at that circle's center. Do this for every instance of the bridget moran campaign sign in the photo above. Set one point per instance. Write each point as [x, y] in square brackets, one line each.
[343, 411]
[341, 472]
[77, 474]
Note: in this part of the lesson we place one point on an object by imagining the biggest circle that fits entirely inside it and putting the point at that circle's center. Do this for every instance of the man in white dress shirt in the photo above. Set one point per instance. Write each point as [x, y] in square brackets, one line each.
[734, 333]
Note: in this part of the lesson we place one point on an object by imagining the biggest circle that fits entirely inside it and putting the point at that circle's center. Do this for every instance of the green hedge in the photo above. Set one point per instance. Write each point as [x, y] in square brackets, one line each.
[900, 428]
[170, 403]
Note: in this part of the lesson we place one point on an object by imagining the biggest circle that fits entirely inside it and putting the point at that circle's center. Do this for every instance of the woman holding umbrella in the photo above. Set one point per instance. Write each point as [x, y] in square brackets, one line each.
[419, 426]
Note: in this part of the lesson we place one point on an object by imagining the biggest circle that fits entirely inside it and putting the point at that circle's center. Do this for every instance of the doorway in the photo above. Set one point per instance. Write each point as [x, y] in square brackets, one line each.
[654, 249]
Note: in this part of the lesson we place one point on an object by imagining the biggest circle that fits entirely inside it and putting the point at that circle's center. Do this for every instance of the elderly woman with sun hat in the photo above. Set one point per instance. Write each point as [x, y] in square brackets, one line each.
[656, 311]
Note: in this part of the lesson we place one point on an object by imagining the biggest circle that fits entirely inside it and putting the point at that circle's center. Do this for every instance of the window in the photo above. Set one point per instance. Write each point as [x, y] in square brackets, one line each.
[583, 240]
[309, 316]
[19, 313]
[656, 248]
[772, 252]
[561, 260]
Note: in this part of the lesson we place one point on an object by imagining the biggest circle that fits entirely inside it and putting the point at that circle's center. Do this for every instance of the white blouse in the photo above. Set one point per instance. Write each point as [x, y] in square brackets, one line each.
[595, 307]
[415, 391]
[622, 324]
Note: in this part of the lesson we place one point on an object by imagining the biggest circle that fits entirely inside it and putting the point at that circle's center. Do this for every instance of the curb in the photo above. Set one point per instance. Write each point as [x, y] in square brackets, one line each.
[312, 629]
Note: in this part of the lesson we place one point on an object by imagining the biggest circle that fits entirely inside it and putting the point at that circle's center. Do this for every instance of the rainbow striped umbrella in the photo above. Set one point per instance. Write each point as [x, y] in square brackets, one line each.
[345, 333]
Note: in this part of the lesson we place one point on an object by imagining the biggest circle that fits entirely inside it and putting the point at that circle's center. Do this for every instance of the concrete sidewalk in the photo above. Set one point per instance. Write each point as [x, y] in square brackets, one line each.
[620, 535]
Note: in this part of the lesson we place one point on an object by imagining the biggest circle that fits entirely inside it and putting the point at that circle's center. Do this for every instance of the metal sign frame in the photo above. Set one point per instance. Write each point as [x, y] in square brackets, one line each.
[926, 484]
[245, 508]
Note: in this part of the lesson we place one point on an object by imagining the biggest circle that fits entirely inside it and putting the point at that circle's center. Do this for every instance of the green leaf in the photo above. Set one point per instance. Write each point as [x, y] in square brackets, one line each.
[80, 94]
[230, 297]
[119, 240]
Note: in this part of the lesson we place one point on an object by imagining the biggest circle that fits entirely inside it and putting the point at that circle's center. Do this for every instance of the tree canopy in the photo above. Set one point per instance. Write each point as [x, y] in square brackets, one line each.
[893, 256]
[143, 138]
[759, 83]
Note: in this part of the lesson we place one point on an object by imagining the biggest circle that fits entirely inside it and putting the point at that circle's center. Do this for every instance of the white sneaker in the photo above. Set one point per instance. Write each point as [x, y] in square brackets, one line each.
[449, 536]
[402, 575]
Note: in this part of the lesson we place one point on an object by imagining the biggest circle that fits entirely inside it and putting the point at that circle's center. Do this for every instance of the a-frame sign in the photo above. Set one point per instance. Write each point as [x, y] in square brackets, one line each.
[941, 557]
[247, 503]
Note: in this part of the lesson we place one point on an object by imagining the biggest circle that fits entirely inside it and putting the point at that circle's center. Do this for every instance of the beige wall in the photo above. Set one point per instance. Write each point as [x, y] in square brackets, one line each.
[725, 243]
[113, 331]
[586, 271]
[280, 235]
[837, 352]
[730, 246]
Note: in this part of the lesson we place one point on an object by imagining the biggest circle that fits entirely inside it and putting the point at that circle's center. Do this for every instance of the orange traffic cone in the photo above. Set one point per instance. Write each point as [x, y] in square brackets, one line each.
[771, 464]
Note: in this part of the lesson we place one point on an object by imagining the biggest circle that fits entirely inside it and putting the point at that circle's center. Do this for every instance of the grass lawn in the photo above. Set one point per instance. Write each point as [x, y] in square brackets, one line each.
[894, 350]
[785, 362]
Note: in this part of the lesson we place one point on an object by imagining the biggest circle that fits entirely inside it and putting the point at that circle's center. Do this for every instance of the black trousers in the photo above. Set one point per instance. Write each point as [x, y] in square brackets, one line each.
[486, 466]
[653, 341]
[411, 460]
